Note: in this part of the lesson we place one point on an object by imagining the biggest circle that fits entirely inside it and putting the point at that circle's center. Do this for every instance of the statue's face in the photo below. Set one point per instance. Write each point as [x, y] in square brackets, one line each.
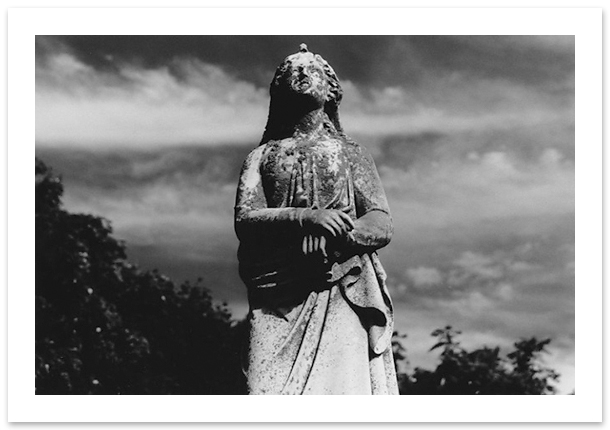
[304, 75]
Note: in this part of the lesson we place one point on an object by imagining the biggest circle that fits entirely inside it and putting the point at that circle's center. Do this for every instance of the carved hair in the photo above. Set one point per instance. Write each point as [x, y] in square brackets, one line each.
[279, 122]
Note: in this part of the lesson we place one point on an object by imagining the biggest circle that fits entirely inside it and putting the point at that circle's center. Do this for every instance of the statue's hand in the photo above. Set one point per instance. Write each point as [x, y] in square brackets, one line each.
[333, 221]
[312, 244]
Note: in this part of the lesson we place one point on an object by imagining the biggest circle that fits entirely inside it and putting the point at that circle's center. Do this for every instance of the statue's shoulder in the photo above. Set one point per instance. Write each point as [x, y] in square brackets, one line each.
[255, 155]
[355, 150]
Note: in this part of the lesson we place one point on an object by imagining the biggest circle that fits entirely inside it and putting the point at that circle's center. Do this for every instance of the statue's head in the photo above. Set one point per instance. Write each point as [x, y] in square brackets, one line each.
[308, 75]
[304, 80]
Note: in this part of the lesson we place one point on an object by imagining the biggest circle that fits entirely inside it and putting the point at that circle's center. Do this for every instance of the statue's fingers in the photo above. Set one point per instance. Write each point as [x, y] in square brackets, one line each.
[323, 246]
[343, 226]
[344, 221]
[331, 229]
[347, 219]
[310, 244]
[304, 245]
[316, 243]
[338, 225]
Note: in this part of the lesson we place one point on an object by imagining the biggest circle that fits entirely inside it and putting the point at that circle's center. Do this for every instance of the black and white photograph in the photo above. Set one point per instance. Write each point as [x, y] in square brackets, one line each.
[305, 214]
[473, 139]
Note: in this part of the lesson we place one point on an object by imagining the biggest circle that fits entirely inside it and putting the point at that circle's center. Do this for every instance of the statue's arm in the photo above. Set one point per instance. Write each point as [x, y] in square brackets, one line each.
[373, 226]
[252, 216]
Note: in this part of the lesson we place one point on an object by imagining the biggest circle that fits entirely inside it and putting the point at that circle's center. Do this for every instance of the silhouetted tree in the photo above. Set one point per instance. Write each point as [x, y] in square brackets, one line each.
[529, 376]
[105, 327]
[483, 370]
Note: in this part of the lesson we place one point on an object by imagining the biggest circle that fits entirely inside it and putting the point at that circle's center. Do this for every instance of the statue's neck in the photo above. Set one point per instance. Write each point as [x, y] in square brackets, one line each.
[309, 122]
[293, 118]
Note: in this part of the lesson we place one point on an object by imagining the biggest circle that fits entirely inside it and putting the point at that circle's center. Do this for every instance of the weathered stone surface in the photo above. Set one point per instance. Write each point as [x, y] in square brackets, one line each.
[310, 213]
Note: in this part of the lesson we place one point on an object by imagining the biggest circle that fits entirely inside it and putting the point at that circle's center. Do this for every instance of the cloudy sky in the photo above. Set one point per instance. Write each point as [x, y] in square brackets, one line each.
[473, 138]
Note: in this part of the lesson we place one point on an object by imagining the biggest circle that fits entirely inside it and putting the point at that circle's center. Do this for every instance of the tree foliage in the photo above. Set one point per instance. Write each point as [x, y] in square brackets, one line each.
[483, 370]
[105, 327]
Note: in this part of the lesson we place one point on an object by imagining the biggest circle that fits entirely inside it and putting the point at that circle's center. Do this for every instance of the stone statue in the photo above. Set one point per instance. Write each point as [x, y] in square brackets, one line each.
[310, 214]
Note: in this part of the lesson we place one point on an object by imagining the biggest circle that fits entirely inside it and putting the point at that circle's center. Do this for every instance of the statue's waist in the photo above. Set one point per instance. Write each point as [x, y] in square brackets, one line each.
[264, 267]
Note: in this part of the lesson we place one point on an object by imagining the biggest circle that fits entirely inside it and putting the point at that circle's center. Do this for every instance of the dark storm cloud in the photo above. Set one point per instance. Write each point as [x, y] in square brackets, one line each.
[526, 145]
[252, 58]
[366, 60]
[402, 151]
[528, 59]
[204, 167]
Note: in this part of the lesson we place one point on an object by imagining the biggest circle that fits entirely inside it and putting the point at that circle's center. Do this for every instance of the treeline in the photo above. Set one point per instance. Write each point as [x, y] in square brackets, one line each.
[103, 326]
[479, 371]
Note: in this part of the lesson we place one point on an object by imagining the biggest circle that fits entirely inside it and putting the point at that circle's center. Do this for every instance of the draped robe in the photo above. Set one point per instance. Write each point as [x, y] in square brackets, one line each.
[316, 325]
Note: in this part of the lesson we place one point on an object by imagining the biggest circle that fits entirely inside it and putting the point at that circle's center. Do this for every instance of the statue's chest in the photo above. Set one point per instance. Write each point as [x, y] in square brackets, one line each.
[317, 170]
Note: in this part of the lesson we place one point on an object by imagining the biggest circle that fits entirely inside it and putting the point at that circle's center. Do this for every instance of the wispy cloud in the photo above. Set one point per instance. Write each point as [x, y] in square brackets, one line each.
[422, 276]
[185, 102]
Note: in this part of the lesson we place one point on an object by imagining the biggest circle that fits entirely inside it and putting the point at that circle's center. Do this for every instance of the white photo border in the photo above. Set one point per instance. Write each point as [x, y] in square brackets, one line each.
[584, 23]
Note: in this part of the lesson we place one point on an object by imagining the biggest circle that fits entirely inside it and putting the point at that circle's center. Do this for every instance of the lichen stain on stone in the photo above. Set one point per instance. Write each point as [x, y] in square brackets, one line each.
[333, 160]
